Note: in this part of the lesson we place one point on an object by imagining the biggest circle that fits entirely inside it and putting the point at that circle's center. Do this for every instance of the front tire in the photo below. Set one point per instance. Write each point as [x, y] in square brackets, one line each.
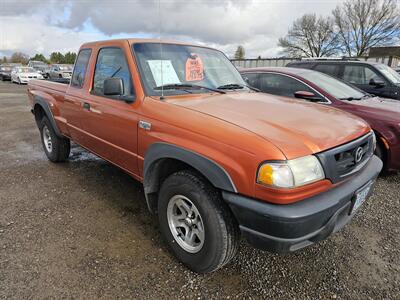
[57, 148]
[197, 225]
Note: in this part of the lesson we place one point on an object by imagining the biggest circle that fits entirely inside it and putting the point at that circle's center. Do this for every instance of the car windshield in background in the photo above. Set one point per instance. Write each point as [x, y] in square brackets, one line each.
[389, 73]
[336, 88]
[185, 69]
[26, 70]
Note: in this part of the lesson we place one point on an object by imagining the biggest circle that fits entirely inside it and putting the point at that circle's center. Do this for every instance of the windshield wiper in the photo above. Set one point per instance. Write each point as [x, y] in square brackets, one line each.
[115, 73]
[231, 86]
[367, 96]
[350, 98]
[236, 86]
[183, 86]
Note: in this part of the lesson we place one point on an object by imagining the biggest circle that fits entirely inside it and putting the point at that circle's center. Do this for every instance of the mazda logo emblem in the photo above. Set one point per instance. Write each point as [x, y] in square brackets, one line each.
[358, 155]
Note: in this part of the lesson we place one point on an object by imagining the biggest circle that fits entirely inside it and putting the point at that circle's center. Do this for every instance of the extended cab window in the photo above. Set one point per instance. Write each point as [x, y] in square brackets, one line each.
[111, 63]
[281, 85]
[78, 77]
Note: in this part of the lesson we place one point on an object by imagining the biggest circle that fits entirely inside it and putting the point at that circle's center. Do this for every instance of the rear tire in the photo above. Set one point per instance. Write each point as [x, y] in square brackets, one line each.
[197, 225]
[57, 148]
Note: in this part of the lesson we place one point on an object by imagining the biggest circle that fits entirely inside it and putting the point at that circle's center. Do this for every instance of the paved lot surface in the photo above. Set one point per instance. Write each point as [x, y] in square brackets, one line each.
[81, 230]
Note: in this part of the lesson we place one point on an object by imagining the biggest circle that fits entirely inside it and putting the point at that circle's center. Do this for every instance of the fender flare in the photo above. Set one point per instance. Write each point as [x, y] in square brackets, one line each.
[45, 106]
[207, 167]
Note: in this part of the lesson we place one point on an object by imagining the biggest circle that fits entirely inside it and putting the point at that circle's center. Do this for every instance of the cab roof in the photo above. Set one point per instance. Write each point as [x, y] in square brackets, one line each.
[139, 40]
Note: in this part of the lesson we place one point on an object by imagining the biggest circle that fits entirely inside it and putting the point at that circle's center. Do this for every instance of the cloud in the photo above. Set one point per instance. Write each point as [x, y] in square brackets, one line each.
[34, 35]
[256, 24]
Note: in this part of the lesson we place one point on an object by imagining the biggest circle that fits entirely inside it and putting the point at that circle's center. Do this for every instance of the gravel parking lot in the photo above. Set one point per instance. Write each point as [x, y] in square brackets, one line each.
[82, 230]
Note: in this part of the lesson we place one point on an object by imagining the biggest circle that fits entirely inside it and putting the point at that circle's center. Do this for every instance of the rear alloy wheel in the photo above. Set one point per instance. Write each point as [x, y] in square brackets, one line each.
[196, 223]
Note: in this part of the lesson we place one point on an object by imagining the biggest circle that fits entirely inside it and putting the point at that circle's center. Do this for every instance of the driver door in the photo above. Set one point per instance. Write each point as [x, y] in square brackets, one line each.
[111, 122]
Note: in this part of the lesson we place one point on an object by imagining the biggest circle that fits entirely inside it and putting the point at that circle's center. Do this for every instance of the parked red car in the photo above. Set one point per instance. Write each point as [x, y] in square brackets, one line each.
[382, 114]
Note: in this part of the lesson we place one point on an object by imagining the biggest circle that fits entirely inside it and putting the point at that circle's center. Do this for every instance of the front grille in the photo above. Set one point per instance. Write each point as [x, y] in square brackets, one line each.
[345, 160]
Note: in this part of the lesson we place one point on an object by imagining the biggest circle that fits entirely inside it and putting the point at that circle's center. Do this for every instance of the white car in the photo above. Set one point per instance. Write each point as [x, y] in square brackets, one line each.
[24, 74]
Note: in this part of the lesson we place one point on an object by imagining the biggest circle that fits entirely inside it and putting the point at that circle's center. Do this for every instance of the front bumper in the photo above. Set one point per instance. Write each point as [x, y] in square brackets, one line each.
[287, 228]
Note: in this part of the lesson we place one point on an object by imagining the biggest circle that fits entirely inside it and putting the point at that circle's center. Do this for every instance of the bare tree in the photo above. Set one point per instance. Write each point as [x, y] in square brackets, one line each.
[240, 53]
[310, 36]
[362, 24]
[19, 57]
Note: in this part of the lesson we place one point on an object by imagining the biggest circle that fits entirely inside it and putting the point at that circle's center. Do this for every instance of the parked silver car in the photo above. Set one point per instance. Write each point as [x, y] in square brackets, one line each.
[58, 71]
[40, 66]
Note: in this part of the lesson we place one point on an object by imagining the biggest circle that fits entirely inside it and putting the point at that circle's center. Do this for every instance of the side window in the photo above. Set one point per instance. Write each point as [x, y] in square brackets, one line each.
[281, 85]
[359, 74]
[251, 79]
[78, 76]
[111, 62]
[327, 69]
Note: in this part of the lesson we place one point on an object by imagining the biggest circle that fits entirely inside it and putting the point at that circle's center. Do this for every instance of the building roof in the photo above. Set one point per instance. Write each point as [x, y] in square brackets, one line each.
[384, 51]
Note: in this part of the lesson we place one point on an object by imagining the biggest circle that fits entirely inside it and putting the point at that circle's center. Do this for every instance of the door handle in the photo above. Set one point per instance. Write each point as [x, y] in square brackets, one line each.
[86, 106]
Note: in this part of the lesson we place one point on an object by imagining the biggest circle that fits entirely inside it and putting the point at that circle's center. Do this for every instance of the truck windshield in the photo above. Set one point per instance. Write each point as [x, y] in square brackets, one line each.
[185, 69]
[336, 88]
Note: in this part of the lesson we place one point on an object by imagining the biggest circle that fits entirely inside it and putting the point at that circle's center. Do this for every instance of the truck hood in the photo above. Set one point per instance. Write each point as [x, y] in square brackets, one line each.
[296, 127]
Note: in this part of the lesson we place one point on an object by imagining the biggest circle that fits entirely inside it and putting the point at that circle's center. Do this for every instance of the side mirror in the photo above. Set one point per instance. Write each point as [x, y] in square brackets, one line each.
[307, 96]
[377, 82]
[113, 87]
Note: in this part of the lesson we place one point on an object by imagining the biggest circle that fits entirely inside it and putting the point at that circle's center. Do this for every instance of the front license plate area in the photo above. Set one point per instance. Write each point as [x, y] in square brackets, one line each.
[360, 196]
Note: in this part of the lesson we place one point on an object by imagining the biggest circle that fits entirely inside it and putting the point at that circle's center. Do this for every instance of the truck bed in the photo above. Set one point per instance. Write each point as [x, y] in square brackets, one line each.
[44, 85]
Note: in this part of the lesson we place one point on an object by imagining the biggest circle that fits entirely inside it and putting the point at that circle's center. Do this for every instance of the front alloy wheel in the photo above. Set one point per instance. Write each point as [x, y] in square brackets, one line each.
[185, 223]
[47, 139]
[195, 222]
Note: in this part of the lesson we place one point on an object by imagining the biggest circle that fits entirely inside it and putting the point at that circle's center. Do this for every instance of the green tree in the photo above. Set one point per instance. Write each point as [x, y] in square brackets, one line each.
[57, 58]
[39, 57]
[240, 53]
[4, 60]
[19, 57]
[69, 58]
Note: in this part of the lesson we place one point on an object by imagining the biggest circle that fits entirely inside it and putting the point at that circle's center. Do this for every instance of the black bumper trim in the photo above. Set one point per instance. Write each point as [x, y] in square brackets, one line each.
[286, 228]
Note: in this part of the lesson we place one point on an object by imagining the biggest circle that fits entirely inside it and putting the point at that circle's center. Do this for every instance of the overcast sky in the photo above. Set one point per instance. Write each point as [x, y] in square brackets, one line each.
[44, 26]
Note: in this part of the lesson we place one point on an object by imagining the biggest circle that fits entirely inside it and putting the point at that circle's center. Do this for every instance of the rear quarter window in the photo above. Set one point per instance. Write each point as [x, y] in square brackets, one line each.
[78, 76]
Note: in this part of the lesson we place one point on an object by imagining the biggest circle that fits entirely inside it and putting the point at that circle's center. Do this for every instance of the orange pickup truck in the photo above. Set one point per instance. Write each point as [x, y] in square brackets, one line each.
[217, 159]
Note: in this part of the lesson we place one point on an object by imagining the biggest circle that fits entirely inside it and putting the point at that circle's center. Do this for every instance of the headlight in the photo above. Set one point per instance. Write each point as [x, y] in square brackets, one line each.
[291, 173]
